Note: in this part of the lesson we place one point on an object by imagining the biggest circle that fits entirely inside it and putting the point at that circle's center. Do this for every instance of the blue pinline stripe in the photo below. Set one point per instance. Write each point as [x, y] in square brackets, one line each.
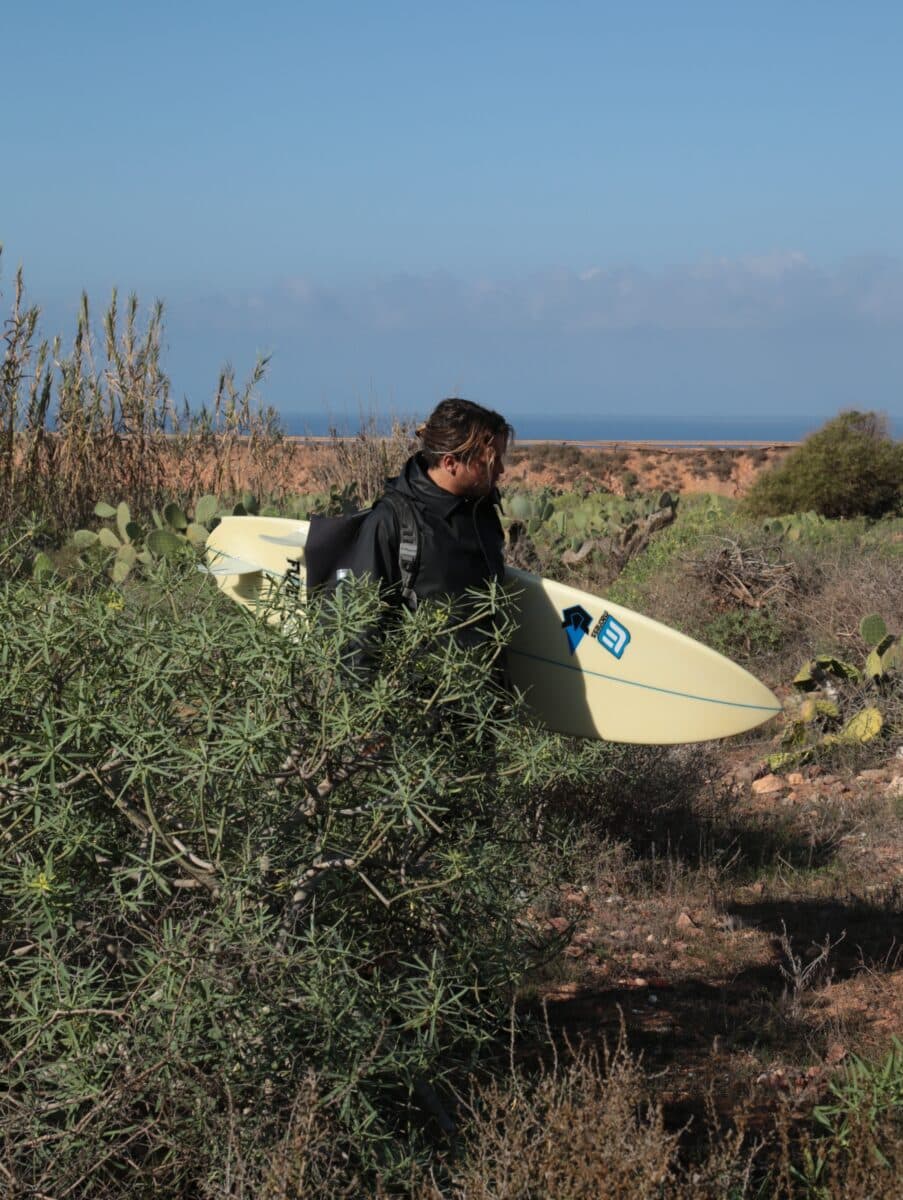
[649, 687]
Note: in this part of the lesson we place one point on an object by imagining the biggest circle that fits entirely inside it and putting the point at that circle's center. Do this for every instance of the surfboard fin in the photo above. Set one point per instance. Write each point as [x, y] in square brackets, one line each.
[227, 564]
[298, 542]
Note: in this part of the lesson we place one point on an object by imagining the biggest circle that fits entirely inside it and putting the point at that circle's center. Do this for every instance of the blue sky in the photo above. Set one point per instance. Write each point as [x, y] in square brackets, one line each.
[584, 208]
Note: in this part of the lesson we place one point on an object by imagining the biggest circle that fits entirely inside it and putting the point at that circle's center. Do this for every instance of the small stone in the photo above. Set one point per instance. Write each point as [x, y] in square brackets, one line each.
[796, 779]
[744, 774]
[873, 773]
[767, 785]
[559, 924]
[576, 898]
[686, 924]
[895, 787]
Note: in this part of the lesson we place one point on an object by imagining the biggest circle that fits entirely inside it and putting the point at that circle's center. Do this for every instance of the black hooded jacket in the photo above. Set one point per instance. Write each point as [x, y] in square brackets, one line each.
[460, 547]
[460, 539]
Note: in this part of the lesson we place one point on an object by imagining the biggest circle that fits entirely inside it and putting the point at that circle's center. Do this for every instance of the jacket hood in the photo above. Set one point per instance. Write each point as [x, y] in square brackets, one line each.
[414, 481]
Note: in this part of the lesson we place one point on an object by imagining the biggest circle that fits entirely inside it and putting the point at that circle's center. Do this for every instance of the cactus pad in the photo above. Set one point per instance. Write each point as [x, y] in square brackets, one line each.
[872, 629]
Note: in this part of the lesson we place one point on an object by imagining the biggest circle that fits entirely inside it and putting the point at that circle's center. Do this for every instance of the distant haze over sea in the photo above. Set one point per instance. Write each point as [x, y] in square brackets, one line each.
[620, 428]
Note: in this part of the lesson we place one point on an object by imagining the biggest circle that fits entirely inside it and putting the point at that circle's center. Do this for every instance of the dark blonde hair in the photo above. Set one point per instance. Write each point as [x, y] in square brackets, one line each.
[461, 428]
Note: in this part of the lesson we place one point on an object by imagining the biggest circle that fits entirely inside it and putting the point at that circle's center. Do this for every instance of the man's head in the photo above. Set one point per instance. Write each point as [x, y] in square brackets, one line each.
[464, 446]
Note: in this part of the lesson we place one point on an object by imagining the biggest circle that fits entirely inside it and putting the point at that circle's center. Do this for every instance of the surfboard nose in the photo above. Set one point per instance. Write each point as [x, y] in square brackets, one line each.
[596, 669]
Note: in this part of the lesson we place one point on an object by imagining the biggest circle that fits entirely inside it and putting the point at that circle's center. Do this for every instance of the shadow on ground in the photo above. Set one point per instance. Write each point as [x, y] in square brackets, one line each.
[714, 1045]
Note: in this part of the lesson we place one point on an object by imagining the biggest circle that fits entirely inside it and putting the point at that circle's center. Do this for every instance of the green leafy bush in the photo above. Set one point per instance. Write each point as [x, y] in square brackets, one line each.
[744, 633]
[851, 467]
[226, 869]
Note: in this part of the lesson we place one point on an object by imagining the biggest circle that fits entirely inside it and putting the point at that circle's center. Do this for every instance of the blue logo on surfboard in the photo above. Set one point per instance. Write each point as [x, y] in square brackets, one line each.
[608, 632]
[576, 624]
[612, 635]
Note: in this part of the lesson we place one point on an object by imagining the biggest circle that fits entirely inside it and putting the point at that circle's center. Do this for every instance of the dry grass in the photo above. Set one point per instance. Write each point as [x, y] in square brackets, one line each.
[748, 577]
[366, 460]
[580, 1130]
[98, 422]
[586, 1129]
[850, 582]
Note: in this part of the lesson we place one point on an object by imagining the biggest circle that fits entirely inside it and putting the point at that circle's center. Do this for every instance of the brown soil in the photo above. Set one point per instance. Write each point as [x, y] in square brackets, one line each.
[711, 467]
[301, 464]
[746, 997]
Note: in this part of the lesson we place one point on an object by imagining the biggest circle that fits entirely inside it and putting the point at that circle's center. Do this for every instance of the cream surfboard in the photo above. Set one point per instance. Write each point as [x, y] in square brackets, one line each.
[588, 667]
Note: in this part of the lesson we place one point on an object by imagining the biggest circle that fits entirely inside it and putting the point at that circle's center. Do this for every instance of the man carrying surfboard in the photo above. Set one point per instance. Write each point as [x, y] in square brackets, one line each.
[587, 666]
[435, 533]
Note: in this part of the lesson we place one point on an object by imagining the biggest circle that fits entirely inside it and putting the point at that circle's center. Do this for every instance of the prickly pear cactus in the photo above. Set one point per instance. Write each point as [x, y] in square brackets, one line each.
[131, 544]
[872, 629]
[571, 527]
[885, 660]
[796, 527]
[519, 507]
[863, 726]
[822, 669]
[839, 703]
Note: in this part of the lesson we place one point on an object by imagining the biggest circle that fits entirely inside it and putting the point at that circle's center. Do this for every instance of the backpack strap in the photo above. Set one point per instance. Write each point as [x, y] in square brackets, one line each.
[408, 545]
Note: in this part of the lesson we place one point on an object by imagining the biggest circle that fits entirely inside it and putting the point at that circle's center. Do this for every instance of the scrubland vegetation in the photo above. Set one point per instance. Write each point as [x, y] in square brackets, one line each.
[270, 931]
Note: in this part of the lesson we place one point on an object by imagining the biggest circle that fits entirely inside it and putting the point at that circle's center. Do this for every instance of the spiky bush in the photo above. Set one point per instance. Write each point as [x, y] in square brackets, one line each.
[851, 467]
[228, 865]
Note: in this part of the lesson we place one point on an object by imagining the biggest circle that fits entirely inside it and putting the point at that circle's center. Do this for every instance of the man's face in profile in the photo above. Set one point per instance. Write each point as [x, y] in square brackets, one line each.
[481, 475]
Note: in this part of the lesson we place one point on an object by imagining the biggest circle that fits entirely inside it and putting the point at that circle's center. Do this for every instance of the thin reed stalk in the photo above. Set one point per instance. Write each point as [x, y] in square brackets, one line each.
[98, 422]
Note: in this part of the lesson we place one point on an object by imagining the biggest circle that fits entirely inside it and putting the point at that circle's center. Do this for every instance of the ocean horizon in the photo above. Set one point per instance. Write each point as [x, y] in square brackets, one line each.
[600, 428]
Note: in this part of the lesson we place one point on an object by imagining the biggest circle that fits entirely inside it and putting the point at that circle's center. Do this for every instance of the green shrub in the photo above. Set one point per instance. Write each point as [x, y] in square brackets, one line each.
[865, 1090]
[224, 871]
[851, 467]
[744, 633]
[857, 1150]
[721, 464]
